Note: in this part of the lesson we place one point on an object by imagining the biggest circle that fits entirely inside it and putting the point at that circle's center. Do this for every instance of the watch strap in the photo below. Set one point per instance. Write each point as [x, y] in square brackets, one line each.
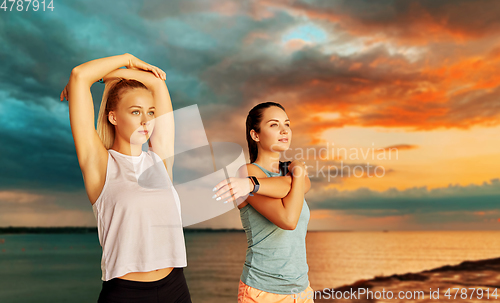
[255, 184]
[250, 193]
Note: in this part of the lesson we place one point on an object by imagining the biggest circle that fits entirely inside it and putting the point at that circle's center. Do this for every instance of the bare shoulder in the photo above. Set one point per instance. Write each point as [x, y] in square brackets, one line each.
[251, 170]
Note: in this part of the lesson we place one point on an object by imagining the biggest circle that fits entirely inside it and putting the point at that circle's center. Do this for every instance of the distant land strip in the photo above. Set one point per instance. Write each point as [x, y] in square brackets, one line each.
[85, 230]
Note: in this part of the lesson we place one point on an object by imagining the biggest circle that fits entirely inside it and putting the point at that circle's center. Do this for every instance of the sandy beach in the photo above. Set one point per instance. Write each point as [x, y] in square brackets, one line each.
[469, 281]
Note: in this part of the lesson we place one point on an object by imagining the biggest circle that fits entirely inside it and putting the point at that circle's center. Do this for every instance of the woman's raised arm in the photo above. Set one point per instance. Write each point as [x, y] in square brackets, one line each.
[163, 136]
[91, 152]
[88, 145]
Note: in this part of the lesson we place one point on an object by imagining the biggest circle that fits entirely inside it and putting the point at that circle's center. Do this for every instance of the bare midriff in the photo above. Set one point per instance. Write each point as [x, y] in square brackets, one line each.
[148, 276]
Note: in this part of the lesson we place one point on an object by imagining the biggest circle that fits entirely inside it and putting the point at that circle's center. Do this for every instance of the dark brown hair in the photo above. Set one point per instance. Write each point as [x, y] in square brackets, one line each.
[254, 119]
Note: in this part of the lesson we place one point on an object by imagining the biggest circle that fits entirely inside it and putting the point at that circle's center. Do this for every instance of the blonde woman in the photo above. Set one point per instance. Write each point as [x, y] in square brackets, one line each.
[138, 213]
[275, 215]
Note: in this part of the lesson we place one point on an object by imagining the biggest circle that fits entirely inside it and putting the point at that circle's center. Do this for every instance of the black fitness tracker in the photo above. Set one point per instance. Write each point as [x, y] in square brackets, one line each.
[255, 184]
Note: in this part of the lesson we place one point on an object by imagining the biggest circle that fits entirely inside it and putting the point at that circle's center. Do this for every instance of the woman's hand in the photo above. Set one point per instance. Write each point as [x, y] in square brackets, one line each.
[297, 169]
[234, 189]
[64, 93]
[136, 63]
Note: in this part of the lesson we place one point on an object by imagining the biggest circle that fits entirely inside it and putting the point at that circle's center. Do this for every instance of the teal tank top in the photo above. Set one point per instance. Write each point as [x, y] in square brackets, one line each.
[276, 259]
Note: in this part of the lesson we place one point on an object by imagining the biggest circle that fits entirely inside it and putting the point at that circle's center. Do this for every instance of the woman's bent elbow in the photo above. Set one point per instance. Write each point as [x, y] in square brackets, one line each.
[75, 73]
[290, 225]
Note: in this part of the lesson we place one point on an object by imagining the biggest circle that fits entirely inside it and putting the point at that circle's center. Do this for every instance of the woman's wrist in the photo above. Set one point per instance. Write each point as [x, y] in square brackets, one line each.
[128, 59]
[96, 69]
[251, 185]
[298, 171]
[299, 175]
[300, 178]
[146, 77]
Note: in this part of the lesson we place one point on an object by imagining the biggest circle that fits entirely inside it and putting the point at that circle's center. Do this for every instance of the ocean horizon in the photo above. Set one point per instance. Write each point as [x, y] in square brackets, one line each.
[65, 267]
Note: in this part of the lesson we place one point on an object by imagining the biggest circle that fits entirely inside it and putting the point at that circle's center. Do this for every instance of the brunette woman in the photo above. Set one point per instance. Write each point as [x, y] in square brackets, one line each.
[275, 218]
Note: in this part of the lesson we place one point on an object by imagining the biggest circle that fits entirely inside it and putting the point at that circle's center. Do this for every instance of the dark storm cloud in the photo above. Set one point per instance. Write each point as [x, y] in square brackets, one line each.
[37, 149]
[209, 61]
[37, 58]
[383, 89]
[259, 75]
[407, 20]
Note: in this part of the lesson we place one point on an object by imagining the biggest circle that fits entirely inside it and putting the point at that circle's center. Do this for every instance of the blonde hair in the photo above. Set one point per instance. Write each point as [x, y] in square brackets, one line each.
[113, 90]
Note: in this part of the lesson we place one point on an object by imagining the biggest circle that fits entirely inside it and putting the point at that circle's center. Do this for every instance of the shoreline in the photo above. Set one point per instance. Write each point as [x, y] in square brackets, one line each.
[437, 282]
[79, 230]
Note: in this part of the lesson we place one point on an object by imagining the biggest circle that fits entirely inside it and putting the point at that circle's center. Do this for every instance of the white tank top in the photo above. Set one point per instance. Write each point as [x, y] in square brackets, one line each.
[138, 216]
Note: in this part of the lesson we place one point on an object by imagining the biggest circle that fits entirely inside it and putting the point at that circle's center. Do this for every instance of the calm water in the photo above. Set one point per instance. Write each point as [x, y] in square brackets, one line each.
[66, 268]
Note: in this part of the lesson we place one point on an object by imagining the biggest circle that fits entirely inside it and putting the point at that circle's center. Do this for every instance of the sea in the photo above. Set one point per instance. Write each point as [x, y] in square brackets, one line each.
[54, 268]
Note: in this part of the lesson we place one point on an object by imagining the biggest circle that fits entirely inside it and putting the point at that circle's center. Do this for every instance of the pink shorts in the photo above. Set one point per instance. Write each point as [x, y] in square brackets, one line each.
[248, 294]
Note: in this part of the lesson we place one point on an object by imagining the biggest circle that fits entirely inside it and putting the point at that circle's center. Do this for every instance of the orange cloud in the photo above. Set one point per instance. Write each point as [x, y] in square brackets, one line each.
[398, 147]
[451, 82]
[295, 44]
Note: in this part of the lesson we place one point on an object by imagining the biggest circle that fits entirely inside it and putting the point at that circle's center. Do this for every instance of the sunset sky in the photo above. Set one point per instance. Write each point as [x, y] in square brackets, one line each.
[418, 78]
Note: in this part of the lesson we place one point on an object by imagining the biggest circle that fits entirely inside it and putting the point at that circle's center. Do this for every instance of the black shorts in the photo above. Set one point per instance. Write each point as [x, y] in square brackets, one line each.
[172, 288]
